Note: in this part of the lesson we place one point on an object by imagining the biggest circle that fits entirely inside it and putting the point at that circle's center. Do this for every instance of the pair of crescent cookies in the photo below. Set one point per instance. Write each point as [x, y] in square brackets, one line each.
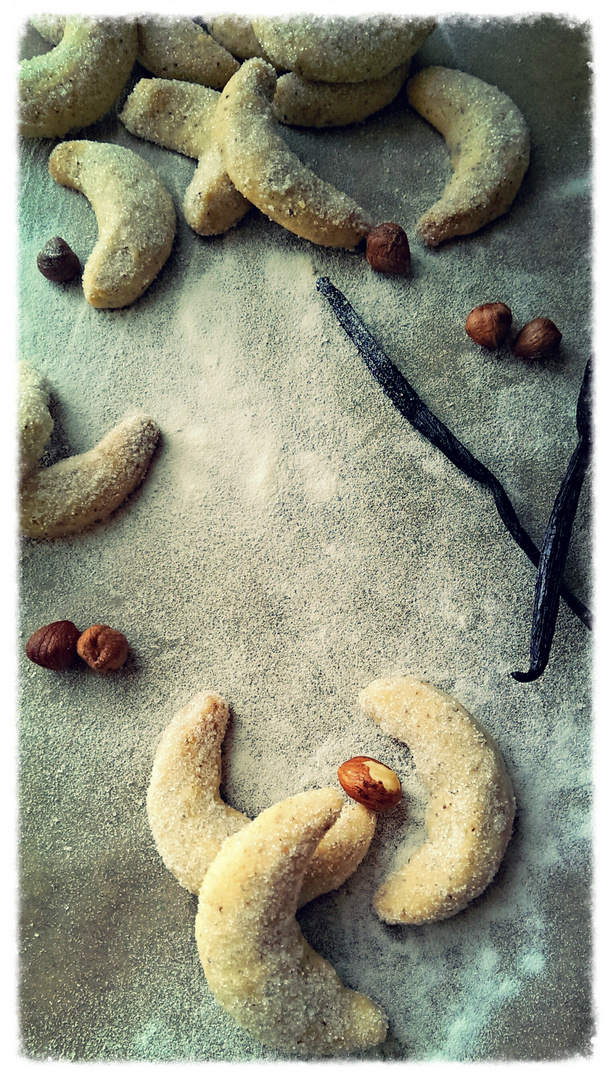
[81, 490]
[252, 876]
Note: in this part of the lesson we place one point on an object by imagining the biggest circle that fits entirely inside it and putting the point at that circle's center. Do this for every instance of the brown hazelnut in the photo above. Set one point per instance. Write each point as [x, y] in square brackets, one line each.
[103, 648]
[54, 645]
[388, 249]
[370, 783]
[57, 261]
[538, 339]
[489, 324]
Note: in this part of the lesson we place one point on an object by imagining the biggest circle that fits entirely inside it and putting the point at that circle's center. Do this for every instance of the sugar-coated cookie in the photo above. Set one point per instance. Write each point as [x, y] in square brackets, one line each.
[79, 80]
[180, 116]
[179, 48]
[270, 175]
[35, 422]
[489, 146]
[134, 212]
[340, 49]
[304, 103]
[470, 814]
[257, 963]
[235, 33]
[81, 490]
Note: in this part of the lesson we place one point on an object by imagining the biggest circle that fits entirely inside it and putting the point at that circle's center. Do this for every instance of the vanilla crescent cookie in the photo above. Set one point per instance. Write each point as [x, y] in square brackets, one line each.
[470, 814]
[179, 48]
[35, 422]
[489, 146]
[344, 49]
[257, 963]
[84, 489]
[79, 80]
[134, 212]
[270, 175]
[189, 820]
[304, 103]
[235, 33]
[180, 116]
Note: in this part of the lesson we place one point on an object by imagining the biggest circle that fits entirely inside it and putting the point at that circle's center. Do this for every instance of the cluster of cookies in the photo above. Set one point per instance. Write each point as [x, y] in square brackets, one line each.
[221, 97]
[252, 876]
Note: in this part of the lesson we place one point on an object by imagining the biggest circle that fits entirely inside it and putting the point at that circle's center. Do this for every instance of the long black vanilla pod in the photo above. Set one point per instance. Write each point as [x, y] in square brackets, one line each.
[411, 406]
[557, 538]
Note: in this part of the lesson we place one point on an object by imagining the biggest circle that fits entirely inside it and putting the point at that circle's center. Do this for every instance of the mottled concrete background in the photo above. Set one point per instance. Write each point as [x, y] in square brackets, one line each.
[295, 539]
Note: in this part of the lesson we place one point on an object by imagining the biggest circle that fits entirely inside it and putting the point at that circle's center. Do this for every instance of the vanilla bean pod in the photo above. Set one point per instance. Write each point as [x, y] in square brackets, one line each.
[411, 406]
[557, 538]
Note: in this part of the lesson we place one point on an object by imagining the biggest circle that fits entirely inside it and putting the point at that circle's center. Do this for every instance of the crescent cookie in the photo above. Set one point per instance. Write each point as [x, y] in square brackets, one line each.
[471, 810]
[79, 80]
[178, 48]
[79, 491]
[257, 963]
[35, 422]
[190, 821]
[305, 103]
[270, 175]
[235, 33]
[134, 212]
[340, 50]
[489, 146]
[180, 116]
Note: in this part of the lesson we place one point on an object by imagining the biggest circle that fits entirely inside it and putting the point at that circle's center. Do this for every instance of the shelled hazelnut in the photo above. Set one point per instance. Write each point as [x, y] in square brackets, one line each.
[538, 339]
[388, 249]
[103, 648]
[489, 324]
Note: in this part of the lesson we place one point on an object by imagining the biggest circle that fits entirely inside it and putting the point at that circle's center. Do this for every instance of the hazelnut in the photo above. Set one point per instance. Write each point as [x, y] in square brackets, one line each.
[103, 648]
[54, 645]
[57, 261]
[489, 324]
[388, 249]
[539, 338]
[369, 782]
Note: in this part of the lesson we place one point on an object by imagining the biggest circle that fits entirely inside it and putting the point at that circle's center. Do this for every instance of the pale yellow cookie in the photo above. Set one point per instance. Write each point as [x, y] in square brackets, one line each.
[35, 422]
[470, 814]
[189, 820]
[235, 33]
[304, 103]
[270, 175]
[79, 80]
[179, 48]
[257, 963]
[180, 116]
[84, 489]
[134, 212]
[341, 49]
[489, 146]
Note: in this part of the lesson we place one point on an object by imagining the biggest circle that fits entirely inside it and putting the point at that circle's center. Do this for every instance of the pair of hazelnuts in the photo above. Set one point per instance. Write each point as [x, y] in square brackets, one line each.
[489, 324]
[57, 645]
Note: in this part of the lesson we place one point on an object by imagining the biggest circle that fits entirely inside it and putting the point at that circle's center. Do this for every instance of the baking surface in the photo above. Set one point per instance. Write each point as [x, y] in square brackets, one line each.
[294, 540]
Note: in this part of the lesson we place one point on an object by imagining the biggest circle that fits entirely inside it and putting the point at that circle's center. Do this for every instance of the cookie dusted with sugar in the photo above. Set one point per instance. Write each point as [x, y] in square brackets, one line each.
[270, 175]
[470, 814]
[79, 80]
[190, 821]
[84, 489]
[179, 48]
[180, 116]
[35, 422]
[257, 963]
[305, 103]
[489, 146]
[134, 212]
[342, 49]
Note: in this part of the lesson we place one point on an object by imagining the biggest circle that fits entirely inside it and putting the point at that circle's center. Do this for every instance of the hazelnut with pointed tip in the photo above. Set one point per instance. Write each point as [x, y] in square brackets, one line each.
[103, 648]
[538, 339]
[388, 249]
[57, 261]
[371, 783]
[54, 646]
[489, 324]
